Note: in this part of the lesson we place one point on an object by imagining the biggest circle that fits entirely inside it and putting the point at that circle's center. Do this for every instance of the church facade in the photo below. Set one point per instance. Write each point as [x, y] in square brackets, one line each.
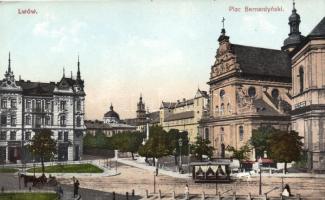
[26, 106]
[252, 87]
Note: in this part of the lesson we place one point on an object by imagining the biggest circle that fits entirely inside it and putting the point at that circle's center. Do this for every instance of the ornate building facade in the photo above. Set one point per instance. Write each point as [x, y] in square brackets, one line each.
[185, 115]
[252, 87]
[26, 106]
[249, 88]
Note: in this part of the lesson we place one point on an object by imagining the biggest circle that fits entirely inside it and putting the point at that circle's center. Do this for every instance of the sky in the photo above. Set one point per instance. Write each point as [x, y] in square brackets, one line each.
[163, 49]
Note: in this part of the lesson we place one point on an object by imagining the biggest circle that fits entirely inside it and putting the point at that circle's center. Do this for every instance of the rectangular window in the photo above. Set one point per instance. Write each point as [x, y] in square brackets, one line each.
[38, 106]
[3, 135]
[60, 135]
[66, 136]
[28, 104]
[3, 103]
[28, 121]
[13, 103]
[38, 122]
[27, 136]
[62, 105]
[12, 135]
[62, 120]
[47, 120]
[48, 105]
[78, 105]
[3, 120]
[13, 121]
[78, 121]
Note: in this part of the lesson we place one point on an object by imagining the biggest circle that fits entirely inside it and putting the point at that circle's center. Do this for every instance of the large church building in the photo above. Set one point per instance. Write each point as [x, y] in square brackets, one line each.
[26, 106]
[251, 87]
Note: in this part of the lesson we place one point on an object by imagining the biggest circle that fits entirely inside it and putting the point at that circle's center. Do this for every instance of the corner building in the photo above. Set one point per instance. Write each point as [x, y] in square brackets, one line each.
[26, 106]
[308, 92]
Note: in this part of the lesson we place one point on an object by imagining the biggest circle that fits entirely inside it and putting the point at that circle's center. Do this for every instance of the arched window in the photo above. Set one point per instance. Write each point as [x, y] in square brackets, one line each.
[252, 91]
[241, 133]
[275, 93]
[222, 94]
[206, 133]
[301, 79]
[222, 134]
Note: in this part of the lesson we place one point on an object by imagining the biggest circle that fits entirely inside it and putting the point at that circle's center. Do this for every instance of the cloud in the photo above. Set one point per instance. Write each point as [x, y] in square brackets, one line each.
[63, 34]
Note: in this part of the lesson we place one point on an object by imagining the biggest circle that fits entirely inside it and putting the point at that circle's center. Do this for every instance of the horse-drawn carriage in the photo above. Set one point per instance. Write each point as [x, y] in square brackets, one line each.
[39, 181]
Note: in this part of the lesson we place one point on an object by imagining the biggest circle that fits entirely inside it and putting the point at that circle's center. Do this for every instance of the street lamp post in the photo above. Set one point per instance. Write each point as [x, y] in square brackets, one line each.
[259, 165]
[154, 182]
[180, 143]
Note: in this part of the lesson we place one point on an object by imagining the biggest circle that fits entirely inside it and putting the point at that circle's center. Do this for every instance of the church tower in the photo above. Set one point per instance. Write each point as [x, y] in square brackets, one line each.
[308, 91]
[295, 36]
[141, 109]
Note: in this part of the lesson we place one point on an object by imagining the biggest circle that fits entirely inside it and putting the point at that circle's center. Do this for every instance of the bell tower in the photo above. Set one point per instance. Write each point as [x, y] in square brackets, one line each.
[295, 37]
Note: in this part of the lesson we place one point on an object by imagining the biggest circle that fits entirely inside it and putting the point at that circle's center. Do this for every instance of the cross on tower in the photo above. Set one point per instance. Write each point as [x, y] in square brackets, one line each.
[293, 2]
[223, 22]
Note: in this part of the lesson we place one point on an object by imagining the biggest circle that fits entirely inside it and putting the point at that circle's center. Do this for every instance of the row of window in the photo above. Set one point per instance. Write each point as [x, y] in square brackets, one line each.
[222, 133]
[251, 93]
[37, 106]
[62, 136]
[4, 120]
[4, 103]
[38, 120]
[13, 135]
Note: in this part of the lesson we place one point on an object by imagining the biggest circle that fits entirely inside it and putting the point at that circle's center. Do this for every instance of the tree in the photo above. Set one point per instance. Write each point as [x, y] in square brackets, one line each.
[241, 154]
[259, 140]
[202, 147]
[174, 149]
[158, 144]
[43, 145]
[128, 142]
[285, 147]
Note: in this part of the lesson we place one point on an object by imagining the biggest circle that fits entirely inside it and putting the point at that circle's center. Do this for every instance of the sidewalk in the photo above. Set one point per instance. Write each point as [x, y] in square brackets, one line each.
[134, 163]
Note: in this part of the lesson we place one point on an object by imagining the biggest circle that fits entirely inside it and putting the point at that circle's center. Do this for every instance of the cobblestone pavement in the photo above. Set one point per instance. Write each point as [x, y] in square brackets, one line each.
[97, 188]
[141, 180]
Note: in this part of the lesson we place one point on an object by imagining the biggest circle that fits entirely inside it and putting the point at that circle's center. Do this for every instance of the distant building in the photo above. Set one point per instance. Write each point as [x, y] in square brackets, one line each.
[185, 115]
[143, 117]
[27, 106]
[110, 125]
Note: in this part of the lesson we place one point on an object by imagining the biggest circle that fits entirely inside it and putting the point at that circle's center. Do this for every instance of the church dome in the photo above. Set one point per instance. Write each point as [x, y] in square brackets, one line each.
[112, 114]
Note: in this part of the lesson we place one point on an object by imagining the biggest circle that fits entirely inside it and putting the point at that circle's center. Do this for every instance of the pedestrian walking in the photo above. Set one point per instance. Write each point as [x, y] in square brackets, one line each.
[76, 188]
[187, 191]
[60, 191]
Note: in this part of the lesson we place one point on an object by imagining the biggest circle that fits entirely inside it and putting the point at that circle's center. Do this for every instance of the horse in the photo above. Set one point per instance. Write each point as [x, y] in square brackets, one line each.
[27, 179]
[40, 180]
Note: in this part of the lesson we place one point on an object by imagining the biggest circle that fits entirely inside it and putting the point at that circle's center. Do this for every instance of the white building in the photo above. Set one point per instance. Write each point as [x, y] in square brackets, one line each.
[26, 106]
